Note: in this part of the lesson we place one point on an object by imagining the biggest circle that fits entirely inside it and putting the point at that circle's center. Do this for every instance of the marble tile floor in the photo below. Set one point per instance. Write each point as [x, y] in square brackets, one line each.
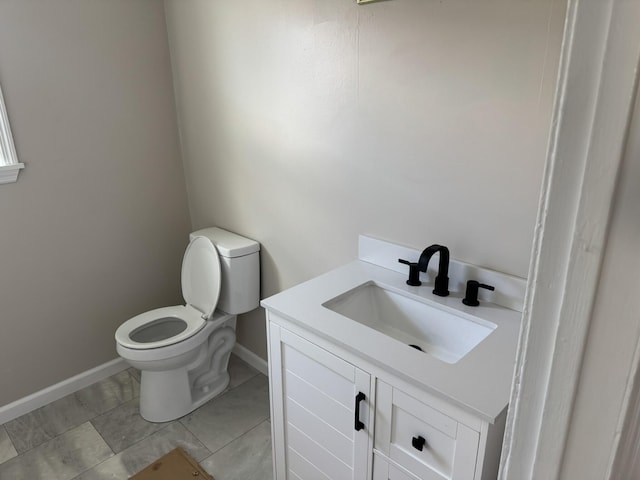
[97, 433]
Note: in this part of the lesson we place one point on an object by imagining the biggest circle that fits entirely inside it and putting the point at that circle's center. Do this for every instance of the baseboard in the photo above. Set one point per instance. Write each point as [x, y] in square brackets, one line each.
[55, 392]
[251, 358]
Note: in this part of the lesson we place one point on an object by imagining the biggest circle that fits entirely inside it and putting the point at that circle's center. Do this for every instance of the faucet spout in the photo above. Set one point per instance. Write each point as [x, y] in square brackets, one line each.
[442, 279]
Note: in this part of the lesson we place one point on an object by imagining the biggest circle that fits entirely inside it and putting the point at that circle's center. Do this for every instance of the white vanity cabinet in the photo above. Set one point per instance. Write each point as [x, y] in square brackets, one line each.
[336, 416]
[350, 398]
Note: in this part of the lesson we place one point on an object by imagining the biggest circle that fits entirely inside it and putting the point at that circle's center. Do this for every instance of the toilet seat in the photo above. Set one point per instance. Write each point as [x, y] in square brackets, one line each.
[169, 325]
[193, 322]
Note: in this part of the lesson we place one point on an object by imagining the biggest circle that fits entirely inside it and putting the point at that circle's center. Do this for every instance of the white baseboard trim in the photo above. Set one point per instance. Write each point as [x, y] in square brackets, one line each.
[251, 358]
[55, 392]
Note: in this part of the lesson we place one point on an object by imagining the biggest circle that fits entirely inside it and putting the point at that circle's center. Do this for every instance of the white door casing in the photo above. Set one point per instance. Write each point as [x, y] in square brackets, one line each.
[596, 88]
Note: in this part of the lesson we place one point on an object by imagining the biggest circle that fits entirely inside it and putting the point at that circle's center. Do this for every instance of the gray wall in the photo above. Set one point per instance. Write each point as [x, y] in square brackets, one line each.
[95, 228]
[307, 122]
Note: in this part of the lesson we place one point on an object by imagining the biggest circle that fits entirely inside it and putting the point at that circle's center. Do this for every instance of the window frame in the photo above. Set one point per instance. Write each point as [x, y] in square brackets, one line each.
[9, 164]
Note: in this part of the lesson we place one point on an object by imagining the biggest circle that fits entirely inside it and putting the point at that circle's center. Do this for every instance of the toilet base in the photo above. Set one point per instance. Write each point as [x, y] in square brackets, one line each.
[167, 396]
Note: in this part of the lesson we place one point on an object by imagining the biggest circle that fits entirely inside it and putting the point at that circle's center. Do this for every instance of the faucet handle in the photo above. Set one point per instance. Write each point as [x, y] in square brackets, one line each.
[414, 273]
[471, 295]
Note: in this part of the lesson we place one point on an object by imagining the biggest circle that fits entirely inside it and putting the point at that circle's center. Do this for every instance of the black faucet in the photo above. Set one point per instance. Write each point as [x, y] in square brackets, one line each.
[442, 279]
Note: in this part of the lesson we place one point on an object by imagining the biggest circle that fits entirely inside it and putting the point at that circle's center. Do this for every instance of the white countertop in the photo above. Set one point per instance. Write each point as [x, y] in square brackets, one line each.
[480, 382]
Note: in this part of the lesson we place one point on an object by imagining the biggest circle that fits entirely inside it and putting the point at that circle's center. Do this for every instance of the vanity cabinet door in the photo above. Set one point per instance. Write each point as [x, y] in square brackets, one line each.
[423, 440]
[320, 411]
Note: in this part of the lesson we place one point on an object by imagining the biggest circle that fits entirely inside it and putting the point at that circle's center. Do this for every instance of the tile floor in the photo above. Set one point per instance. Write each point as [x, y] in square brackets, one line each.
[97, 433]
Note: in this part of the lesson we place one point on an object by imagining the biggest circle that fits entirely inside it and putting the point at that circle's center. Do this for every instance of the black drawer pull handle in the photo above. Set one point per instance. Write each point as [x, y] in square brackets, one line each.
[358, 424]
[418, 442]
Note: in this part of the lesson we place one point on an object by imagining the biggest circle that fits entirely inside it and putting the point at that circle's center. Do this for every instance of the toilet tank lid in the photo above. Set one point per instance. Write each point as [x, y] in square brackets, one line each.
[227, 243]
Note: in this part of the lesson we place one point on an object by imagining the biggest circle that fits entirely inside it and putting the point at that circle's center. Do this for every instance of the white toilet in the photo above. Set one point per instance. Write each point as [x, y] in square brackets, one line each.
[183, 351]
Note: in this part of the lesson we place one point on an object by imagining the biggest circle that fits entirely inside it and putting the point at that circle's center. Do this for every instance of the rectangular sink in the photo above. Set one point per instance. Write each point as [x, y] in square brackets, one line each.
[431, 328]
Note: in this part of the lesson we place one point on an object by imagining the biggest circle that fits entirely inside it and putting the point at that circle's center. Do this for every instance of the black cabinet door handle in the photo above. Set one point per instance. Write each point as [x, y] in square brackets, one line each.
[358, 425]
[418, 442]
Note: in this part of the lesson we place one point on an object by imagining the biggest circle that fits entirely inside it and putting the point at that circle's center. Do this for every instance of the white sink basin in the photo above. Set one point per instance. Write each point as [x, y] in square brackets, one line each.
[412, 320]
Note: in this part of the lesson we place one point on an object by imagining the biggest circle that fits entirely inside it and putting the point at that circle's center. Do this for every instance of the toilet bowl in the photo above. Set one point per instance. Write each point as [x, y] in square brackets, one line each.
[183, 351]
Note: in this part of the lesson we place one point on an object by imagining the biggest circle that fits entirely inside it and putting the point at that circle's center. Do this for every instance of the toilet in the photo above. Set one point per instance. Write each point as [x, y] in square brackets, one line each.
[183, 351]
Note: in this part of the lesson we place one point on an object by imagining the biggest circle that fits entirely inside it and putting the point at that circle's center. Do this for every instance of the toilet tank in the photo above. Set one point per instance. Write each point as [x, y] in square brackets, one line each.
[240, 269]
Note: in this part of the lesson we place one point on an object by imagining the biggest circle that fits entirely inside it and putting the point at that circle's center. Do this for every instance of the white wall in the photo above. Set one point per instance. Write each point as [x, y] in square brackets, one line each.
[94, 230]
[306, 122]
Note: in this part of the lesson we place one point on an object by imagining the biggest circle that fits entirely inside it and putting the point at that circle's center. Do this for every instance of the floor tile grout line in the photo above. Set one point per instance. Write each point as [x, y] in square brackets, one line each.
[136, 443]
[101, 436]
[211, 453]
[89, 420]
[260, 422]
[236, 438]
[135, 397]
[113, 454]
[58, 436]
[12, 445]
[43, 444]
[89, 410]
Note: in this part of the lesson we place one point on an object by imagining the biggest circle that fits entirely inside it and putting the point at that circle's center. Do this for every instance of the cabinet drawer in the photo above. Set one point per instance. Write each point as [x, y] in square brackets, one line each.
[385, 470]
[423, 440]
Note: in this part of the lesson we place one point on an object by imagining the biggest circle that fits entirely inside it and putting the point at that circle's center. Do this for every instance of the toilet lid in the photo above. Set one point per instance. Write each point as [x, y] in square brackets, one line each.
[201, 276]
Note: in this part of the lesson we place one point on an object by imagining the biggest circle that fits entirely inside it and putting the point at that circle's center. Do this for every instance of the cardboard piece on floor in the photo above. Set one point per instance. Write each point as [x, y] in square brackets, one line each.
[175, 465]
